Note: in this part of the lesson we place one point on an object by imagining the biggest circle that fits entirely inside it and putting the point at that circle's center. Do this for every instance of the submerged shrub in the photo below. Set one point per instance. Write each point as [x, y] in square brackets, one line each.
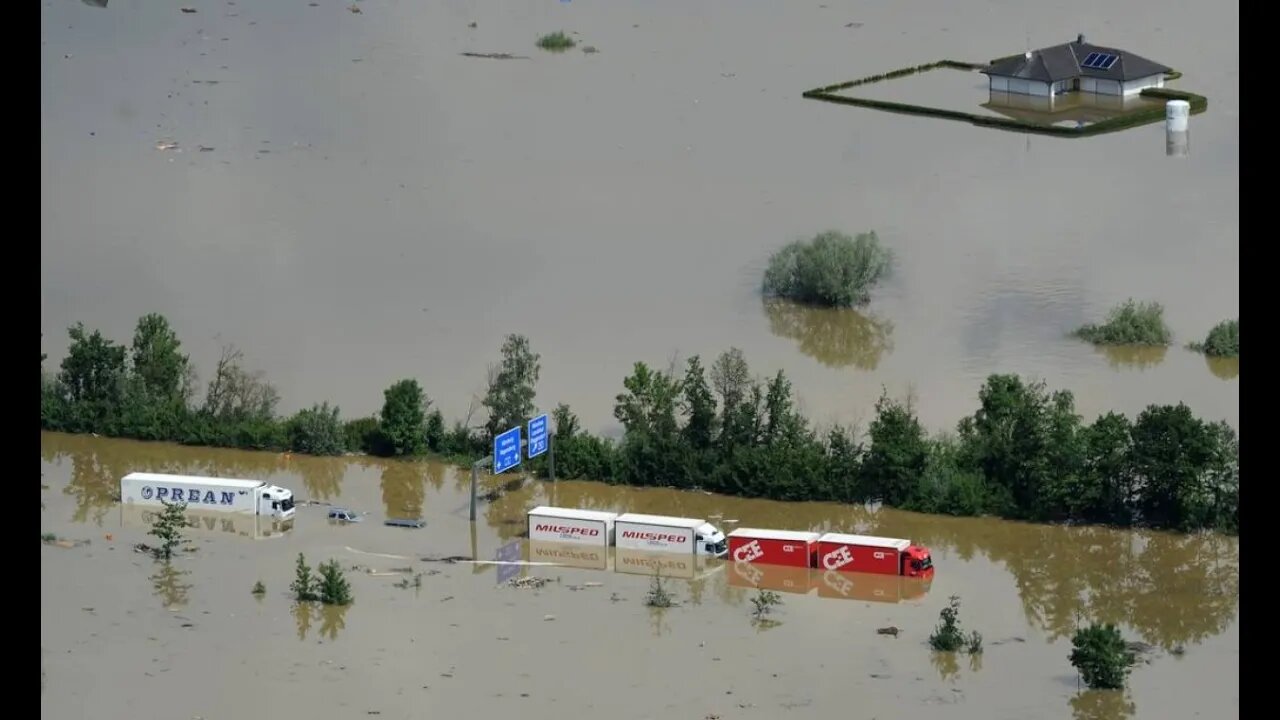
[832, 269]
[556, 41]
[1131, 323]
[1222, 341]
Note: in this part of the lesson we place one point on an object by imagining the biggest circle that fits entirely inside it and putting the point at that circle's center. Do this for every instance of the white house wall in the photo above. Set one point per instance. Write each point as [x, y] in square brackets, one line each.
[1107, 87]
[999, 84]
[1133, 87]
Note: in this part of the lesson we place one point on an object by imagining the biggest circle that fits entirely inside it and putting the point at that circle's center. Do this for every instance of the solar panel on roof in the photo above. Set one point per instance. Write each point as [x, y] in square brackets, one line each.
[1099, 61]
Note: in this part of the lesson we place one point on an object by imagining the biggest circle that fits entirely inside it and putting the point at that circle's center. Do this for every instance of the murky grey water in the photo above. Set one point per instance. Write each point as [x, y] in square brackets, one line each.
[376, 206]
[133, 638]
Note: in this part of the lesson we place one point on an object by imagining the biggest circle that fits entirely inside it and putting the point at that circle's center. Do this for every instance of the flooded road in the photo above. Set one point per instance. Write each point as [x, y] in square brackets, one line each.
[351, 201]
[132, 637]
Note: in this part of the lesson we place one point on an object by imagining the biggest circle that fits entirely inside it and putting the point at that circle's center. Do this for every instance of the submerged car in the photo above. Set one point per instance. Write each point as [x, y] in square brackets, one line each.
[406, 522]
[343, 515]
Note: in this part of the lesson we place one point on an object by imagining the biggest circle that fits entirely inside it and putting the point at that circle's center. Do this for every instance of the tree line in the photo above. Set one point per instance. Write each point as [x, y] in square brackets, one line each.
[1024, 453]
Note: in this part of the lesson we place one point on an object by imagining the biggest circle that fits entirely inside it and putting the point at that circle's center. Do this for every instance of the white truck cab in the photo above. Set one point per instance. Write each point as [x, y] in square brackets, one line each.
[711, 541]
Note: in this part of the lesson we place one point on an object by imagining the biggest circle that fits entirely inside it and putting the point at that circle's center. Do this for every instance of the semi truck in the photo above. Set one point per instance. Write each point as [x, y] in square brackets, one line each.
[831, 551]
[879, 555]
[208, 494]
[660, 533]
[629, 531]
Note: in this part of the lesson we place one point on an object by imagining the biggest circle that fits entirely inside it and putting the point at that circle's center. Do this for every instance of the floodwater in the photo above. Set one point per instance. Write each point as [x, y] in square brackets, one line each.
[371, 205]
[131, 637]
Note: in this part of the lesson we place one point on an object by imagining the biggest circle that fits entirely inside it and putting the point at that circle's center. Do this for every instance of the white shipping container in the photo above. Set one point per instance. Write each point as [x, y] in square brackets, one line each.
[567, 525]
[656, 533]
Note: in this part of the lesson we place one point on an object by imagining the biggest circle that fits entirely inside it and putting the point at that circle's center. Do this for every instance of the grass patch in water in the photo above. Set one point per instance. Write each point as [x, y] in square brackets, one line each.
[1223, 341]
[556, 42]
[1131, 323]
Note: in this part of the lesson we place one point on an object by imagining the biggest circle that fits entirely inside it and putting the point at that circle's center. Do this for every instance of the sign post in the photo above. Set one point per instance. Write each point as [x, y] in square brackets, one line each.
[506, 455]
[537, 436]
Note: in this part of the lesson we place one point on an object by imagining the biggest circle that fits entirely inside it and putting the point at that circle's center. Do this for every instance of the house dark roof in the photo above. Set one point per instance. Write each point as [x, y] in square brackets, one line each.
[1062, 62]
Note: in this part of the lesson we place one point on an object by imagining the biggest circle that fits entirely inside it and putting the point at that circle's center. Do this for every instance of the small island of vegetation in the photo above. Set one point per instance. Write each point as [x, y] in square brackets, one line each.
[1223, 341]
[1131, 323]
[556, 42]
[831, 270]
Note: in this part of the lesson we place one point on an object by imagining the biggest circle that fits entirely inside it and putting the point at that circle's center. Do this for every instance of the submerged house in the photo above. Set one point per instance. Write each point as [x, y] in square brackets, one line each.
[1075, 67]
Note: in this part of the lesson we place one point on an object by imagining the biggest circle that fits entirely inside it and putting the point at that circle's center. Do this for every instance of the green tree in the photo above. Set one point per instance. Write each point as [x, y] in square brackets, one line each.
[303, 586]
[162, 372]
[92, 376]
[404, 410]
[1023, 439]
[731, 378]
[698, 406]
[317, 431]
[652, 452]
[1184, 467]
[334, 589]
[1101, 656]
[167, 526]
[512, 386]
[896, 458]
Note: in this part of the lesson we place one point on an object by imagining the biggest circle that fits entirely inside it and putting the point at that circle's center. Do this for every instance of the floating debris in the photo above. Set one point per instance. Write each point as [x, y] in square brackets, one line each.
[495, 56]
[166, 145]
[891, 630]
[355, 9]
[590, 49]
[528, 582]
[447, 559]
[188, 10]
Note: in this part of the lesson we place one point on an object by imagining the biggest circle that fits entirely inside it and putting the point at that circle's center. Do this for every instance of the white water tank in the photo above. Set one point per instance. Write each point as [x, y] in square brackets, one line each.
[1176, 115]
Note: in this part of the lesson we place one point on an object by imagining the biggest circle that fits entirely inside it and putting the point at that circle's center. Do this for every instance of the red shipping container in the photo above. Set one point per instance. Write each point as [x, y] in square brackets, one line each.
[773, 547]
[860, 553]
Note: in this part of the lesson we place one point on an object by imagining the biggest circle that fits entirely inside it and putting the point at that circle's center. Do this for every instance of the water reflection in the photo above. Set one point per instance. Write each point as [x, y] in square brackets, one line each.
[658, 619]
[1224, 368]
[1102, 705]
[167, 583]
[322, 477]
[332, 619]
[1133, 357]
[835, 337]
[403, 489]
[946, 663]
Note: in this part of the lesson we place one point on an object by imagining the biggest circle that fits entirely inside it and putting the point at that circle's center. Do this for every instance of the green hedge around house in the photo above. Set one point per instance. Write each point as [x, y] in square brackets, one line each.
[1199, 104]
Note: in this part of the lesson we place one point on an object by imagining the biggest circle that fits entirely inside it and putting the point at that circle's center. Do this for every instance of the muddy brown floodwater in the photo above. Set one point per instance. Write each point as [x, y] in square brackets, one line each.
[372, 205]
[130, 637]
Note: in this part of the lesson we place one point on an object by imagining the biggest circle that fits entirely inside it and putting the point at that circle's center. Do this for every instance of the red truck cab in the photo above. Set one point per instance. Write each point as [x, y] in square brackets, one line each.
[917, 562]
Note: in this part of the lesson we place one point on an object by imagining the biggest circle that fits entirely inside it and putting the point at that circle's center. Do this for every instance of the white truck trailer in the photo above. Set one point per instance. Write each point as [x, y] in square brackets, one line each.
[660, 533]
[210, 494]
[567, 525]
